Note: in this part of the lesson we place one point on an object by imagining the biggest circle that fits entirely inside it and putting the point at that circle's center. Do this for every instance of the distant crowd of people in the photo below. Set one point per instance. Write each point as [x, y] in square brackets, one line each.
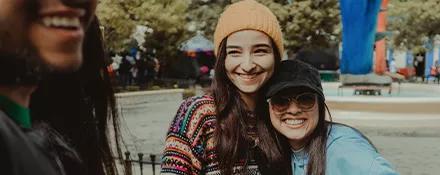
[145, 70]
[140, 70]
[416, 71]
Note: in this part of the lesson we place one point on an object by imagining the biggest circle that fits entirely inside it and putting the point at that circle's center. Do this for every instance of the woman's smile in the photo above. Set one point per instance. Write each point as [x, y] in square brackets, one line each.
[294, 123]
[62, 22]
[249, 77]
[250, 60]
[58, 33]
[66, 25]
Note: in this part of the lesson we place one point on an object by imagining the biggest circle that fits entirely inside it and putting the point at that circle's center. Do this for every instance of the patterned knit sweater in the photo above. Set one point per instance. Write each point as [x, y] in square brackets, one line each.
[189, 147]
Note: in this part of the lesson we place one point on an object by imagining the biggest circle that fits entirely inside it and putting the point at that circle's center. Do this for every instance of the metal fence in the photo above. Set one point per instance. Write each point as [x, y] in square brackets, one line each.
[141, 160]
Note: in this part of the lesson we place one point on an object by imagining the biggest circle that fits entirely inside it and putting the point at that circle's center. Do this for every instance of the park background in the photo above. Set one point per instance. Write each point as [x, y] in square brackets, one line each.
[163, 50]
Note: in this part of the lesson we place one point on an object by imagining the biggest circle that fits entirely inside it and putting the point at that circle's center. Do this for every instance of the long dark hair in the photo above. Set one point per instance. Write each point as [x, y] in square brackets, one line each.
[80, 106]
[232, 143]
[276, 150]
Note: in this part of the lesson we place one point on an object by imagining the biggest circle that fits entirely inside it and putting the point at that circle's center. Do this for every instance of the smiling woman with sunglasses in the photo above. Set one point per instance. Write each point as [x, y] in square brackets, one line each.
[314, 145]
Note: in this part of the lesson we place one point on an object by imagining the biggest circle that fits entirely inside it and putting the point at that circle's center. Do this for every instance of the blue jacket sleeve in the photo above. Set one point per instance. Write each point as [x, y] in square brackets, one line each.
[351, 153]
[380, 166]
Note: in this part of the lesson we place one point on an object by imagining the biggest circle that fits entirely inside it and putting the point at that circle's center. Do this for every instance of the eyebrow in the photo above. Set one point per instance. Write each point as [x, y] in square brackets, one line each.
[257, 45]
[262, 45]
[233, 47]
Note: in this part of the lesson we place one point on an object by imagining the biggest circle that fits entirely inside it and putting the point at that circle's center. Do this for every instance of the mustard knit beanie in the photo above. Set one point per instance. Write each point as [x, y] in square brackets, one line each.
[248, 14]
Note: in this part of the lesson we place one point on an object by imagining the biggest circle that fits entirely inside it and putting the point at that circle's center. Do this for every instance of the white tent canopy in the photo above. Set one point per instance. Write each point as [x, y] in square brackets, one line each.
[197, 43]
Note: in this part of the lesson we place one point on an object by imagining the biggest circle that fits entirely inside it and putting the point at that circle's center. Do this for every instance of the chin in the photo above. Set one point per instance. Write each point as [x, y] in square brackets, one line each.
[63, 62]
[248, 89]
[294, 137]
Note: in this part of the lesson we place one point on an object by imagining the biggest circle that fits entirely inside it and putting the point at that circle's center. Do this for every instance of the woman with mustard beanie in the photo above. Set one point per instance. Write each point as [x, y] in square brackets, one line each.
[217, 133]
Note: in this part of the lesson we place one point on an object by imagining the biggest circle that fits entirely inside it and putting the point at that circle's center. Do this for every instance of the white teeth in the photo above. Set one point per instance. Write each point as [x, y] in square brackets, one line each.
[247, 76]
[47, 21]
[294, 121]
[56, 21]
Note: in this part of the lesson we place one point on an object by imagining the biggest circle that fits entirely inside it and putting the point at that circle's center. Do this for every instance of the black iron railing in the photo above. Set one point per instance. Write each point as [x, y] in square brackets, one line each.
[152, 160]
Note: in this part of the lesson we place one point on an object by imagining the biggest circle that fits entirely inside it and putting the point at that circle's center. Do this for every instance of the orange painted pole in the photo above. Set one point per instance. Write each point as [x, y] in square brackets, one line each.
[380, 61]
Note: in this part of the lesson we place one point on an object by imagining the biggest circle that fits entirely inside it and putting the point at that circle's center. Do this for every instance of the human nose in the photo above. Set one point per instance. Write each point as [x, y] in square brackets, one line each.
[293, 107]
[248, 64]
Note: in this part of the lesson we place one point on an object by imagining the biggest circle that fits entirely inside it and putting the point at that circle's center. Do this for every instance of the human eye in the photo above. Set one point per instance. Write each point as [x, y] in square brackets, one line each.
[233, 52]
[261, 51]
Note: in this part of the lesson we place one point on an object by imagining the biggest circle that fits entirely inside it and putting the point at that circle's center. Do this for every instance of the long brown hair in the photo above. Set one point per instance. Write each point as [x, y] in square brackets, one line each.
[232, 143]
[81, 107]
[276, 149]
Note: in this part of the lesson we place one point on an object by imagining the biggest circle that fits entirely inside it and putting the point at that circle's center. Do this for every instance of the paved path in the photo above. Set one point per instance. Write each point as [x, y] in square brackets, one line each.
[411, 142]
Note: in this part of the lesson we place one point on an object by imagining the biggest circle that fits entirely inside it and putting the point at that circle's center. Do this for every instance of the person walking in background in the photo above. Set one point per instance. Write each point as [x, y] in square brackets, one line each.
[419, 65]
[392, 71]
[124, 72]
[142, 71]
[152, 69]
[216, 133]
[392, 66]
[315, 146]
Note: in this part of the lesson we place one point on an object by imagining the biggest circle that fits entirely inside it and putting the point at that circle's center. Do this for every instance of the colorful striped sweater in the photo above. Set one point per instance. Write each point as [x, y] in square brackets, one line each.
[189, 147]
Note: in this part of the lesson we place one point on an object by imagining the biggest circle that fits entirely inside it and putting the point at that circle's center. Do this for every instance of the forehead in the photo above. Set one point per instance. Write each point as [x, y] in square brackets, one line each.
[248, 38]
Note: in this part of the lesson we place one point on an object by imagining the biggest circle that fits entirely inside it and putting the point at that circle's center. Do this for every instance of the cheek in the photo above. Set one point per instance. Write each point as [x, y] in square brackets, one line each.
[231, 64]
[274, 121]
[267, 63]
[271, 115]
[315, 117]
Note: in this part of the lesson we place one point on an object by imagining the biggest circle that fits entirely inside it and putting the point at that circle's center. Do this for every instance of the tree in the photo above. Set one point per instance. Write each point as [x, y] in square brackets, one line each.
[312, 23]
[305, 23]
[414, 22]
[203, 16]
[167, 18]
[116, 23]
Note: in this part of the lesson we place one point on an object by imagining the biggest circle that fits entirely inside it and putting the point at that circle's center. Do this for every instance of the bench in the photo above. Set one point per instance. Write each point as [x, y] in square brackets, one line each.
[365, 89]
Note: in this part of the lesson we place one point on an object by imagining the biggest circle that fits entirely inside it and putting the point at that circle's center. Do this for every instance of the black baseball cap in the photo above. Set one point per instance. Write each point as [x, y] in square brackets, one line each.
[295, 73]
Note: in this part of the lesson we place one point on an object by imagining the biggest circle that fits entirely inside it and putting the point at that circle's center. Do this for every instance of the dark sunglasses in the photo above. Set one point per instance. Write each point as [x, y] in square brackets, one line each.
[304, 101]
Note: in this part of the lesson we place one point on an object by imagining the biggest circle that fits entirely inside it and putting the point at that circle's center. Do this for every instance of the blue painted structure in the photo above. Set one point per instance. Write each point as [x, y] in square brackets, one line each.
[359, 21]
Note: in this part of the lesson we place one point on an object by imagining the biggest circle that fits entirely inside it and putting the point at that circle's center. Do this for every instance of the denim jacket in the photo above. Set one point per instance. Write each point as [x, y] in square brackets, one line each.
[348, 153]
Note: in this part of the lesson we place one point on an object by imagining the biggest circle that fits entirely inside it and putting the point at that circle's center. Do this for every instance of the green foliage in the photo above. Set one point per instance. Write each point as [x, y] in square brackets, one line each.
[305, 23]
[413, 22]
[117, 24]
[165, 17]
[204, 15]
[311, 23]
